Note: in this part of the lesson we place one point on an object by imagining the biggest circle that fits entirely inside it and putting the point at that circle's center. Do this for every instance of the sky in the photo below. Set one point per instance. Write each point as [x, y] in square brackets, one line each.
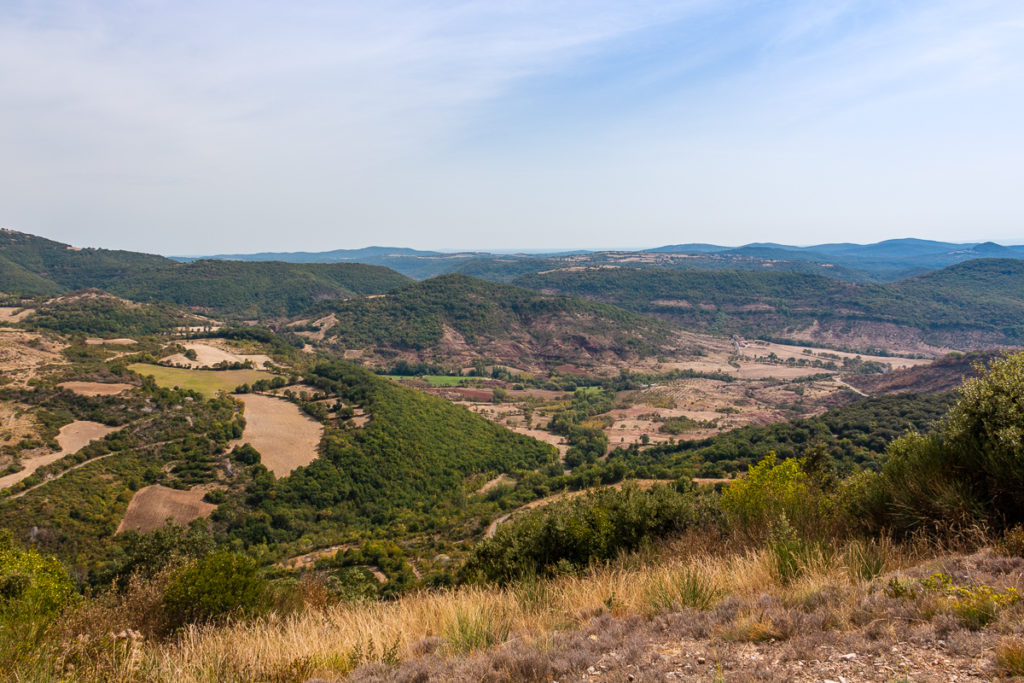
[216, 126]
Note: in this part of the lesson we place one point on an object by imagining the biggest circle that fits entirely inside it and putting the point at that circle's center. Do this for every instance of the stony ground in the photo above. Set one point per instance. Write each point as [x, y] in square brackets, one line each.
[866, 634]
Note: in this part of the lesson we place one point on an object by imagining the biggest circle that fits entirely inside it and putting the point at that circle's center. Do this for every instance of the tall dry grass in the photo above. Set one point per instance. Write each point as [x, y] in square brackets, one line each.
[333, 640]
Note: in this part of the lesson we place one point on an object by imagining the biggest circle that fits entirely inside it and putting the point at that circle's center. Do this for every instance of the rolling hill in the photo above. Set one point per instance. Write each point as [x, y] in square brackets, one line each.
[33, 266]
[456, 316]
[967, 306]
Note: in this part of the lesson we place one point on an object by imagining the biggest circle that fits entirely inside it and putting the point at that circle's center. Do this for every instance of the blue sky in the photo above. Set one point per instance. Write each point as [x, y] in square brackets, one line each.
[203, 127]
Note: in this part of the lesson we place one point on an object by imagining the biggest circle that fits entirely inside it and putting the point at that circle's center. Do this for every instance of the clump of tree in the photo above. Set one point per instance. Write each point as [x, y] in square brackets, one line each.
[567, 536]
[969, 469]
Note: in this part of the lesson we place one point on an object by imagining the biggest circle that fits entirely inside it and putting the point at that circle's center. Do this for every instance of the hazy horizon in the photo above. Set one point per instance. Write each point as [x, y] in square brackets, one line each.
[211, 128]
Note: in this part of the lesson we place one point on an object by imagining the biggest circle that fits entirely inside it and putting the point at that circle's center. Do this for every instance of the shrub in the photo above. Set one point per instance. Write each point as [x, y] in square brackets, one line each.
[568, 535]
[770, 492]
[977, 607]
[969, 471]
[1012, 543]
[33, 590]
[220, 584]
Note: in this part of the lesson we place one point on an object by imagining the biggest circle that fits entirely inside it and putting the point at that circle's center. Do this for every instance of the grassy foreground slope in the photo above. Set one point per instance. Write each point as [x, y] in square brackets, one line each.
[968, 305]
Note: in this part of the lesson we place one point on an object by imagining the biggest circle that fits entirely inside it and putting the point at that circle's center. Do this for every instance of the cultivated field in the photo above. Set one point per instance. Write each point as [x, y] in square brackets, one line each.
[95, 388]
[284, 436]
[213, 352]
[206, 382]
[120, 341]
[151, 506]
[71, 439]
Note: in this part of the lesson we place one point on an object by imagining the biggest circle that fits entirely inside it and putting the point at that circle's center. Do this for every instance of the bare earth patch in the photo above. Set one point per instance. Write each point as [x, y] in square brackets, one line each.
[210, 354]
[95, 388]
[120, 341]
[285, 438]
[151, 506]
[23, 353]
[310, 558]
[496, 482]
[71, 438]
[10, 314]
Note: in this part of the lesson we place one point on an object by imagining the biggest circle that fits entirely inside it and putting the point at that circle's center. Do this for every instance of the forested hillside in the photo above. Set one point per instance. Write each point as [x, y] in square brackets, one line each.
[33, 266]
[457, 312]
[970, 305]
[409, 463]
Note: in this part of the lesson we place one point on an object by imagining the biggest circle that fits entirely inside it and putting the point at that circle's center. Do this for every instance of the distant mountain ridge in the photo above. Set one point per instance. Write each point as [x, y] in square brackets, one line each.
[884, 261]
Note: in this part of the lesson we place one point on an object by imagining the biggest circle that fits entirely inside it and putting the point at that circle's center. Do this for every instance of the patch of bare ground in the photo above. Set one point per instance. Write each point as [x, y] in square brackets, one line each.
[152, 506]
[321, 324]
[11, 314]
[212, 352]
[501, 479]
[23, 354]
[95, 388]
[789, 352]
[71, 439]
[284, 436]
[310, 558]
[16, 423]
[511, 416]
[120, 341]
[715, 406]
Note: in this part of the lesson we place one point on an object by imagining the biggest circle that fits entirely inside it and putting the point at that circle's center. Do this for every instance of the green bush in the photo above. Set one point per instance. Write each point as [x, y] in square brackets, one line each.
[568, 535]
[984, 433]
[771, 492]
[33, 590]
[968, 471]
[221, 584]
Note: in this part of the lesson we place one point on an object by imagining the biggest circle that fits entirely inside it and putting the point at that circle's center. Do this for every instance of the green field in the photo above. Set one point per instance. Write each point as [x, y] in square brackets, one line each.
[437, 380]
[206, 382]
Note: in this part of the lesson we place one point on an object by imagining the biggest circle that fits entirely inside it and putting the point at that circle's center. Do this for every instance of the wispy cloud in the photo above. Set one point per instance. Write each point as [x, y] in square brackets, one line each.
[397, 121]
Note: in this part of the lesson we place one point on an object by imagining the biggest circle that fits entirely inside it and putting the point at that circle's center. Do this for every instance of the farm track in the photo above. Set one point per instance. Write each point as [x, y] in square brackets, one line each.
[81, 465]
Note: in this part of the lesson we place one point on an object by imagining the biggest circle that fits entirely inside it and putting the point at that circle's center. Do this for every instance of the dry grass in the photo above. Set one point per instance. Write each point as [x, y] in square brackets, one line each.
[700, 604]
[207, 382]
[332, 641]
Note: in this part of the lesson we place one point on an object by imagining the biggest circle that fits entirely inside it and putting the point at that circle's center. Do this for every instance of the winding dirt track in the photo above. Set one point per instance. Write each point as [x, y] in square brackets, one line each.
[71, 438]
